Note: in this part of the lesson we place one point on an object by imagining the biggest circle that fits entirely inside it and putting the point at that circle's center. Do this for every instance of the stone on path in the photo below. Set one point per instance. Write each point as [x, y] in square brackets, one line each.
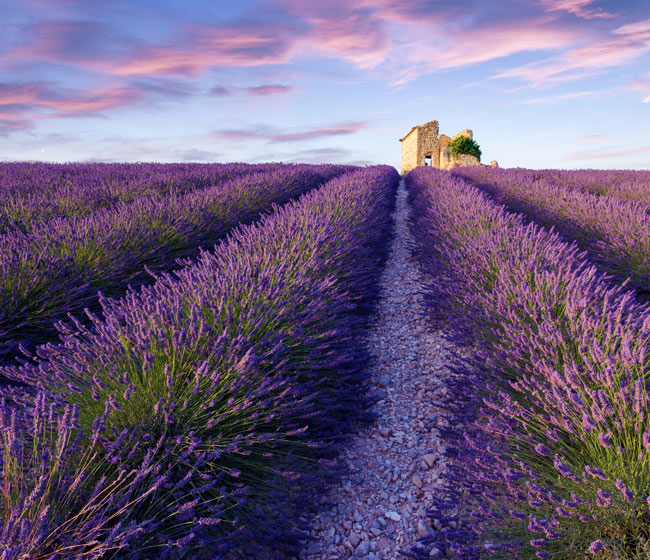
[393, 515]
[313, 548]
[384, 380]
[424, 530]
[430, 459]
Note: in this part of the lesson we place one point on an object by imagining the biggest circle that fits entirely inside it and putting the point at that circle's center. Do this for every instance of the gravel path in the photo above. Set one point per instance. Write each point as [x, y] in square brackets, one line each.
[397, 465]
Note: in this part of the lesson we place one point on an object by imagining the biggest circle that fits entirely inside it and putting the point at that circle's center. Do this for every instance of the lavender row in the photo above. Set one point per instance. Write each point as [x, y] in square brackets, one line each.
[58, 268]
[555, 457]
[32, 193]
[191, 419]
[616, 233]
[623, 184]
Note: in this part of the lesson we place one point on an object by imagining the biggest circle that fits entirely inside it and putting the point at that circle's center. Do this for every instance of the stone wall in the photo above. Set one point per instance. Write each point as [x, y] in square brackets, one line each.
[467, 132]
[410, 150]
[464, 160]
[444, 140]
[428, 143]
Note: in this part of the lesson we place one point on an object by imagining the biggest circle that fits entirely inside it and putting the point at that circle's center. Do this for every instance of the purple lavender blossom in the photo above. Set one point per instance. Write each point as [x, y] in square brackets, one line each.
[562, 468]
[587, 424]
[596, 546]
[603, 499]
[542, 450]
[596, 473]
[625, 491]
[604, 440]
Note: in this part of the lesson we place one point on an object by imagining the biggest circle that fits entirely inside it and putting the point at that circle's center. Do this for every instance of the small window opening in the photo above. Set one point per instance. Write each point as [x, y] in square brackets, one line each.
[427, 161]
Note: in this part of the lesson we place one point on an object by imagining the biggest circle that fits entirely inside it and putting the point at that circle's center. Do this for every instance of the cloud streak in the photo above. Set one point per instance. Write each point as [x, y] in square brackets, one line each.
[579, 8]
[264, 90]
[272, 135]
[580, 156]
[336, 130]
[45, 100]
[562, 97]
[76, 42]
[623, 45]
[269, 89]
[204, 47]
[484, 43]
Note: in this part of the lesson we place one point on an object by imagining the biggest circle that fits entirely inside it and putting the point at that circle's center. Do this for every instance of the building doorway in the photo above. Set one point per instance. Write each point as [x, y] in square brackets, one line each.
[427, 160]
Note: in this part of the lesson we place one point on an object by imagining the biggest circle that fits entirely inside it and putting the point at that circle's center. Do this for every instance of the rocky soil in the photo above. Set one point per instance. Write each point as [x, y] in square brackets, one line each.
[397, 465]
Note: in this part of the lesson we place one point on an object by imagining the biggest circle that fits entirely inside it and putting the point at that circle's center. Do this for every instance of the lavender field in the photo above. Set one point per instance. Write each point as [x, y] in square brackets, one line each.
[185, 362]
[176, 420]
[61, 264]
[551, 439]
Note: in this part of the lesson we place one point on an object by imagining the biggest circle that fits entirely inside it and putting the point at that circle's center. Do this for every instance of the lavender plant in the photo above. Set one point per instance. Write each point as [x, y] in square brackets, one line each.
[235, 378]
[59, 267]
[616, 233]
[554, 460]
[71, 495]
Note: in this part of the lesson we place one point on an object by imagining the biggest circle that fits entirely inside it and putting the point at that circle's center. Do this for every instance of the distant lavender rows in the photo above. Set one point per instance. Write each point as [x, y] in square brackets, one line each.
[189, 421]
[623, 184]
[614, 232]
[57, 268]
[32, 193]
[555, 461]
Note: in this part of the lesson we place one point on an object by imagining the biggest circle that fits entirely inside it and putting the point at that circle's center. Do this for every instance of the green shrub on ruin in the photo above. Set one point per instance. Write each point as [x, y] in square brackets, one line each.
[464, 145]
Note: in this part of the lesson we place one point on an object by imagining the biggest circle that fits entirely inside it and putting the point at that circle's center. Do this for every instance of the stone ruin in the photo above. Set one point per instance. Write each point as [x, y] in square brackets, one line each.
[423, 145]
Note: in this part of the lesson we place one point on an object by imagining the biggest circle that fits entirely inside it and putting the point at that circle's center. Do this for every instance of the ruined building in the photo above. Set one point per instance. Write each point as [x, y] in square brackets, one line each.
[423, 145]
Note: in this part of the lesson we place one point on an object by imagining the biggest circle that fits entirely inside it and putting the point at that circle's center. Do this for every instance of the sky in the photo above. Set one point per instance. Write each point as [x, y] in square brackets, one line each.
[542, 83]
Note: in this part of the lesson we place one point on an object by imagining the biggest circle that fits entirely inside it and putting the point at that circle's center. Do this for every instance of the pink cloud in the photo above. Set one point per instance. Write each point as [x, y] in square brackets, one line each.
[354, 31]
[562, 97]
[642, 85]
[238, 134]
[328, 131]
[414, 39]
[623, 45]
[592, 139]
[13, 122]
[31, 99]
[639, 28]
[491, 42]
[598, 155]
[269, 89]
[579, 8]
[264, 90]
[99, 99]
[274, 136]
[83, 43]
[334, 28]
[454, 48]
[205, 47]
